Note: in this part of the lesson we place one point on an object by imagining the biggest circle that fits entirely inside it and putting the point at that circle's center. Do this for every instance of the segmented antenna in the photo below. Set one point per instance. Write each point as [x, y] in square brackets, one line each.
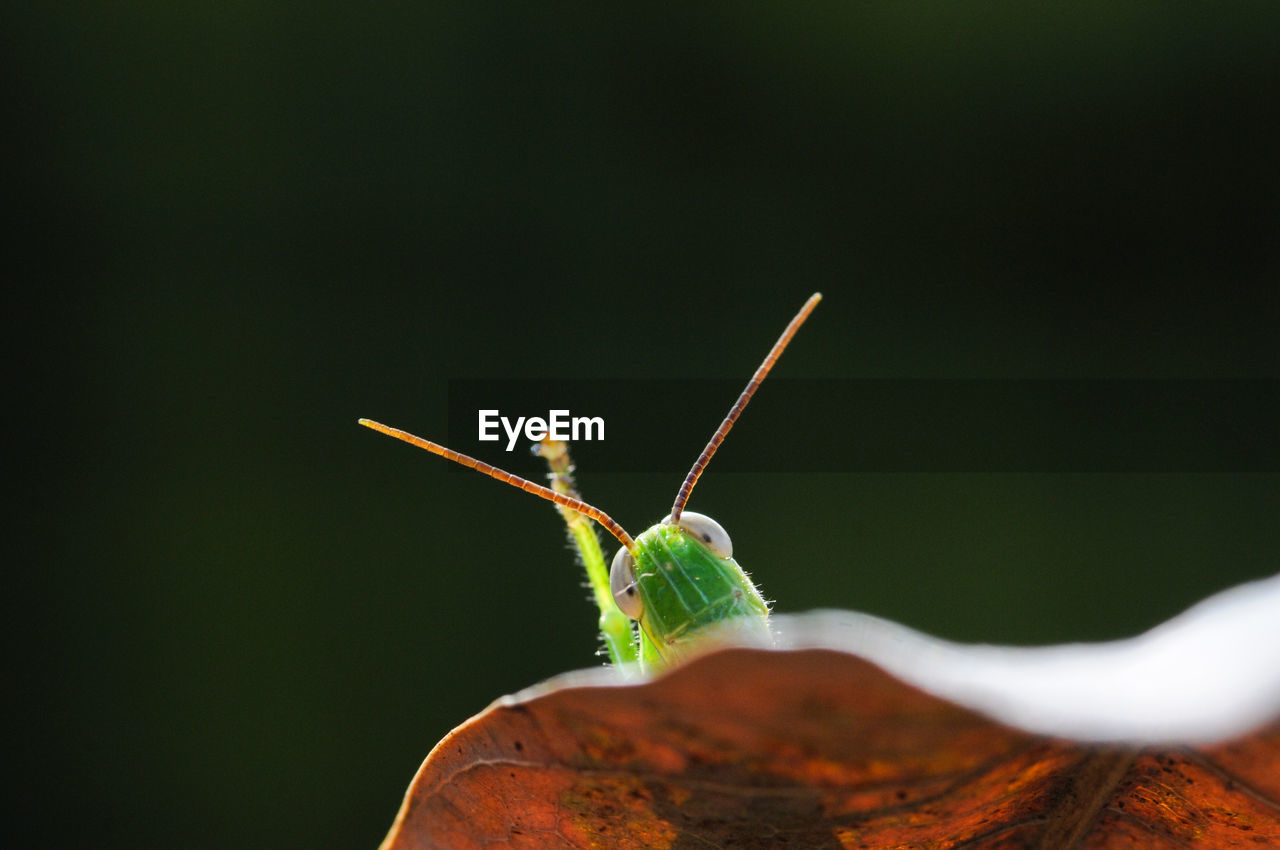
[507, 478]
[682, 497]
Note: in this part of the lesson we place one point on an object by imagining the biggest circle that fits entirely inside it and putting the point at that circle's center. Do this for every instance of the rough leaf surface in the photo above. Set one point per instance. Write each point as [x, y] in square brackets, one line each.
[816, 748]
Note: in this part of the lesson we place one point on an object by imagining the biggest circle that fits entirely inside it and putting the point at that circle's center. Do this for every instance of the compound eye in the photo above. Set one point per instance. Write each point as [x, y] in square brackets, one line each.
[622, 581]
[709, 532]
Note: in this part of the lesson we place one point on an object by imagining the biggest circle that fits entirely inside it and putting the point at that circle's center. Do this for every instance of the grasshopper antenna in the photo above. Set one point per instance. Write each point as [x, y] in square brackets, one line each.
[682, 497]
[502, 475]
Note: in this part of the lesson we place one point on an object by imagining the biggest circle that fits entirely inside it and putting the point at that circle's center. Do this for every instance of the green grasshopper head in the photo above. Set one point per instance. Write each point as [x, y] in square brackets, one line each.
[681, 579]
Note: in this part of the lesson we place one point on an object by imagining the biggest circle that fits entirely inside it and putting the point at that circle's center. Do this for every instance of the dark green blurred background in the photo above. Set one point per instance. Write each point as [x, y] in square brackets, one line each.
[245, 620]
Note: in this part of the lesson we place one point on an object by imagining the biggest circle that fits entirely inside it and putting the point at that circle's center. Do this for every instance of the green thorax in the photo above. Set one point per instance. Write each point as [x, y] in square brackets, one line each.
[686, 588]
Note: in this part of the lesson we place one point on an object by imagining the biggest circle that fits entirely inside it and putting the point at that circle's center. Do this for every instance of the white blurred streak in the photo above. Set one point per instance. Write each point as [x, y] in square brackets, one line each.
[1208, 674]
